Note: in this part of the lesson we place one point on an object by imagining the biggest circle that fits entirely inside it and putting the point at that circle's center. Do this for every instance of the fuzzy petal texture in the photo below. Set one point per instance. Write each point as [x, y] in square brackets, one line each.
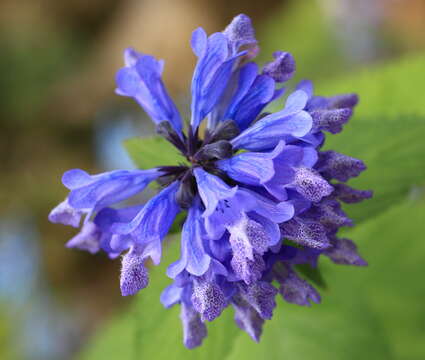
[134, 275]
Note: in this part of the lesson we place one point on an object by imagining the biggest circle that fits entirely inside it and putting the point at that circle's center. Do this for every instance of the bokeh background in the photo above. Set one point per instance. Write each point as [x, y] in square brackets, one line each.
[58, 111]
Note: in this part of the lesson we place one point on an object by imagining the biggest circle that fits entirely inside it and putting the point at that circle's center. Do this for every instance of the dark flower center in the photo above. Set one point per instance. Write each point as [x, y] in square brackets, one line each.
[200, 153]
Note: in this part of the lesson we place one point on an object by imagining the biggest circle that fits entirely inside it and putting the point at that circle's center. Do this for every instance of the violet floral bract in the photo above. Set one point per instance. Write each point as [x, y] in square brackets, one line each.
[260, 195]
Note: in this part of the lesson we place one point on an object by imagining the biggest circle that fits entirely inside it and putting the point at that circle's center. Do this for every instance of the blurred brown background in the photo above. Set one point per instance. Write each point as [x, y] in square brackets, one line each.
[58, 111]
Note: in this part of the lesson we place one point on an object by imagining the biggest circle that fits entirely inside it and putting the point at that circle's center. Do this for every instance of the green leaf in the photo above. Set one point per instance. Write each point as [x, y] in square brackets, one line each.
[152, 151]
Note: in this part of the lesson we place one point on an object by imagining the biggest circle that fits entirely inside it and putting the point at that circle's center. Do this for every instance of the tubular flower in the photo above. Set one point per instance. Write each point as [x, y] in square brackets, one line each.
[259, 195]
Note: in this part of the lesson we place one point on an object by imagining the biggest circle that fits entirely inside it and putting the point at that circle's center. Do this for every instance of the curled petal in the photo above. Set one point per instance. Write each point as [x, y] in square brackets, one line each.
[310, 156]
[198, 42]
[87, 239]
[131, 56]
[268, 168]
[171, 295]
[220, 249]
[114, 244]
[306, 86]
[269, 227]
[296, 101]
[65, 214]
[76, 178]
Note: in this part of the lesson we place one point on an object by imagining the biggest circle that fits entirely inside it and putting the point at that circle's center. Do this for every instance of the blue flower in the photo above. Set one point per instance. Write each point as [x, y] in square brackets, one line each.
[259, 195]
[141, 79]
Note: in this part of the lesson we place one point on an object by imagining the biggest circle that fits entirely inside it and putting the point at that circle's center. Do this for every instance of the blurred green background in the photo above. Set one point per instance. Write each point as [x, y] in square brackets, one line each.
[58, 111]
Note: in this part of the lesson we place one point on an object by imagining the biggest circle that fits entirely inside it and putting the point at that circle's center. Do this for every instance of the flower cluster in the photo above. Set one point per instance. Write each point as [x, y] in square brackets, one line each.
[259, 194]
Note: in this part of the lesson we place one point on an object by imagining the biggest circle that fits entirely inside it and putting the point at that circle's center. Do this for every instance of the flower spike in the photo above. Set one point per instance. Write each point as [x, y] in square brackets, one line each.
[258, 195]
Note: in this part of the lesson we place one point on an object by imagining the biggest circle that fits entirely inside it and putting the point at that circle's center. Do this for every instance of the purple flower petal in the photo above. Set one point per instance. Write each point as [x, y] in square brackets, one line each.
[134, 275]
[105, 189]
[194, 329]
[76, 178]
[240, 32]
[246, 269]
[65, 214]
[330, 120]
[329, 213]
[249, 167]
[343, 101]
[333, 165]
[344, 251]
[259, 95]
[261, 296]
[311, 185]
[153, 222]
[296, 290]
[87, 239]
[311, 234]
[171, 295]
[306, 86]
[267, 132]
[349, 195]
[247, 318]
[247, 75]
[194, 258]
[141, 79]
[212, 190]
[131, 56]
[207, 299]
[198, 42]
[282, 68]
